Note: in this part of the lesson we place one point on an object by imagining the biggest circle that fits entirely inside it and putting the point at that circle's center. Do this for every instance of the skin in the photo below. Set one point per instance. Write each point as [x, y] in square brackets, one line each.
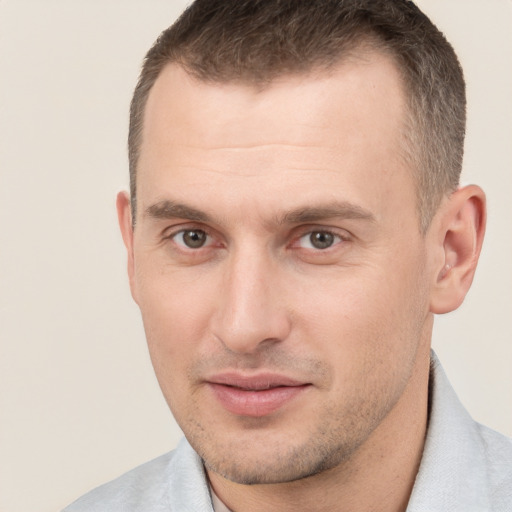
[258, 171]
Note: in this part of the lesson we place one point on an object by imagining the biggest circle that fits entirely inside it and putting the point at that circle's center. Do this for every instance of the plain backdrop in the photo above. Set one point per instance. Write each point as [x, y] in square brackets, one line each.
[79, 403]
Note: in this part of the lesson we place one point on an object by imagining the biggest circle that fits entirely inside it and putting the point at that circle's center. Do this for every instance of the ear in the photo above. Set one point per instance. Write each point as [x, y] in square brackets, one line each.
[461, 227]
[124, 216]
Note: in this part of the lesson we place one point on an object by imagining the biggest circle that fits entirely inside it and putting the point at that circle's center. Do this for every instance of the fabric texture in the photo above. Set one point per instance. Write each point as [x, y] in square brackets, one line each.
[465, 467]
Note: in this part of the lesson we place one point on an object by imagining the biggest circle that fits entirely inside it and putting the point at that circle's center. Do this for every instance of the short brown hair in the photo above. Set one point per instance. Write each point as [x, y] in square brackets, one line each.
[257, 40]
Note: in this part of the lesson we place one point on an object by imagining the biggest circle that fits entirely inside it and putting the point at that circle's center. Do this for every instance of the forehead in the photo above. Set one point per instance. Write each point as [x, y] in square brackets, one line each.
[307, 131]
[368, 79]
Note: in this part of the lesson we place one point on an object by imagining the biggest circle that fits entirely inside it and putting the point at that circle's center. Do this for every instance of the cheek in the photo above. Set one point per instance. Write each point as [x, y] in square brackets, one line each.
[366, 317]
[175, 308]
[171, 297]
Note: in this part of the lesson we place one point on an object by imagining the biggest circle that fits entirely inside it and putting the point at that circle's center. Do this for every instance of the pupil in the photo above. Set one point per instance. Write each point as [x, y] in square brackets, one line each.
[321, 240]
[194, 239]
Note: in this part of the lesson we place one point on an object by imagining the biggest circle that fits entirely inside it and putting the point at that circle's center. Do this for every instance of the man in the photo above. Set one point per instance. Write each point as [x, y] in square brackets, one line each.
[294, 222]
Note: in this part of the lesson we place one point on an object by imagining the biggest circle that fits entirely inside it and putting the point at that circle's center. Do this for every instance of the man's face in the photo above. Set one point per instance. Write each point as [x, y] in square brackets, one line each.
[279, 267]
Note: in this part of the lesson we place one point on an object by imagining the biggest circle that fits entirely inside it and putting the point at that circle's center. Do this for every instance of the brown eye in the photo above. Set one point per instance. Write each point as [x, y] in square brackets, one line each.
[192, 238]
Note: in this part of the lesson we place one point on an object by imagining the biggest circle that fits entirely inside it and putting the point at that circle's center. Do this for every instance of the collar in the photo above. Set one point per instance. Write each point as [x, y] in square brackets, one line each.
[453, 470]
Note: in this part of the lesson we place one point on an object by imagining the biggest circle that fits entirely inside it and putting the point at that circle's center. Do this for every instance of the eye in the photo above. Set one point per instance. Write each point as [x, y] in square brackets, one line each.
[318, 240]
[191, 238]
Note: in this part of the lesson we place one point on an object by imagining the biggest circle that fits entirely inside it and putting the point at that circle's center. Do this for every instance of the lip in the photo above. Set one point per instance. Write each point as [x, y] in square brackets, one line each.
[257, 395]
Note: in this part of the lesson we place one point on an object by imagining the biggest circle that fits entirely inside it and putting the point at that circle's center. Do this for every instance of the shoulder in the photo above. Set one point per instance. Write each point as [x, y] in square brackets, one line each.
[145, 483]
[465, 466]
[498, 454]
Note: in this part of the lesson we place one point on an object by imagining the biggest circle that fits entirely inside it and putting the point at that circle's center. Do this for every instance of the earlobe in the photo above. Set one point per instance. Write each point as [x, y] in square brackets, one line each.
[461, 228]
[124, 217]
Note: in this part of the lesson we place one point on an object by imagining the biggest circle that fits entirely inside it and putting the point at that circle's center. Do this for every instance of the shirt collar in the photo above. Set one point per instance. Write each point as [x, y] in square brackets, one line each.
[452, 473]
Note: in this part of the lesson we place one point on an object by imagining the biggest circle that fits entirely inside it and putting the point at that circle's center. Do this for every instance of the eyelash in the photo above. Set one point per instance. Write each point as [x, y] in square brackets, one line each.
[327, 232]
[171, 235]
[339, 238]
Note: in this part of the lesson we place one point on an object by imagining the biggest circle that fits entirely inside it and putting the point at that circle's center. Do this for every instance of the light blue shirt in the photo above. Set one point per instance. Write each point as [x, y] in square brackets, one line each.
[465, 467]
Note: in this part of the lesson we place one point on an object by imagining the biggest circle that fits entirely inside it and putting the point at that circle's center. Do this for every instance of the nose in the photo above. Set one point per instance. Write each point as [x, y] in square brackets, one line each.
[251, 311]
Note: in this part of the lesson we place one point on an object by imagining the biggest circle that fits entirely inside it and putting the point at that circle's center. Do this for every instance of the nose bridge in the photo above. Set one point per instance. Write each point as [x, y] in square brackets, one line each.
[250, 307]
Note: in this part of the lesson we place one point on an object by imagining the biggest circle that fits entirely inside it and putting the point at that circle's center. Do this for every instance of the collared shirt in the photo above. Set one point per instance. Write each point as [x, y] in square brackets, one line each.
[465, 467]
[218, 506]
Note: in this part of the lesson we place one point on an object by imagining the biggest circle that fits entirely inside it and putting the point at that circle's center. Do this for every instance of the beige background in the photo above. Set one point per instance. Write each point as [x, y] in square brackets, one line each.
[78, 401]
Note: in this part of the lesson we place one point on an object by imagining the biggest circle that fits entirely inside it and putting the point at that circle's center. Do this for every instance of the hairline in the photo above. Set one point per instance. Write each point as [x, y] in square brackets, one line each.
[411, 150]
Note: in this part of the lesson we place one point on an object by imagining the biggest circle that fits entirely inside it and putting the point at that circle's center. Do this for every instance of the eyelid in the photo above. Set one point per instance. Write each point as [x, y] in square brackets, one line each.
[180, 234]
[170, 232]
[340, 233]
[306, 242]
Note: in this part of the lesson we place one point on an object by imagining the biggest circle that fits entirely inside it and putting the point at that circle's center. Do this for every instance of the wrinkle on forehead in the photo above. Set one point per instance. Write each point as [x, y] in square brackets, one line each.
[194, 162]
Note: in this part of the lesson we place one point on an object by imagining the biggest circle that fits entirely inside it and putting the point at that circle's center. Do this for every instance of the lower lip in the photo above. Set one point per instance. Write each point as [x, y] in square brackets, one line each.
[255, 403]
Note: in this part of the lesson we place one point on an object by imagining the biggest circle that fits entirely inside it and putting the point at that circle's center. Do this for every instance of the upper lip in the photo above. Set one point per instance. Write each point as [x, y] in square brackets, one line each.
[257, 382]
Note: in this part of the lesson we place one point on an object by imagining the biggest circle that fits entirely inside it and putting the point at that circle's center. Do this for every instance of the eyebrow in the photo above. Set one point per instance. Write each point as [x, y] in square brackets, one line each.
[170, 210]
[167, 209]
[339, 210]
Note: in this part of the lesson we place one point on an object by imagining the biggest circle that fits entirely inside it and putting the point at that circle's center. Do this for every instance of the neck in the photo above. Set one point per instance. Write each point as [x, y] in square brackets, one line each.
[378, 476]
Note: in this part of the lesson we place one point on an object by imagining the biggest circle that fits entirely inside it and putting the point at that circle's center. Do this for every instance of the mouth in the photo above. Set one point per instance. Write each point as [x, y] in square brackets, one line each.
[255, 396]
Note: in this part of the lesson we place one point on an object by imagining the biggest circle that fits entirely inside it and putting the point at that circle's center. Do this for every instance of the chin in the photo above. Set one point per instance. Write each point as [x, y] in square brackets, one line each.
[275, 466]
